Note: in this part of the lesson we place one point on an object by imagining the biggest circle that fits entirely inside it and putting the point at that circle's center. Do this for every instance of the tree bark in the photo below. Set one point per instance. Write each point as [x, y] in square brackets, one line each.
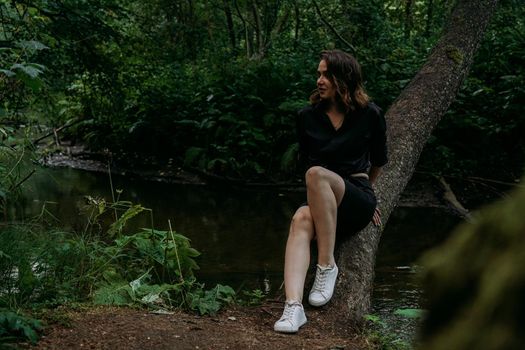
[229, 23]
[246, 32]
[408, 17]
[410, 119]
[258, 29]
[430, 13]
[297, 23]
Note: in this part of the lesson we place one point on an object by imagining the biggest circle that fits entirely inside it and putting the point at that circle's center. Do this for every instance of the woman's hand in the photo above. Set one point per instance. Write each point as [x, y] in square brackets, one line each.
[376, 219]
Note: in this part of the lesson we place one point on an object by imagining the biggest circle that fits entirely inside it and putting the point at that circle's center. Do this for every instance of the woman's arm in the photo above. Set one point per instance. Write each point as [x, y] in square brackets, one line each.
[374, 173]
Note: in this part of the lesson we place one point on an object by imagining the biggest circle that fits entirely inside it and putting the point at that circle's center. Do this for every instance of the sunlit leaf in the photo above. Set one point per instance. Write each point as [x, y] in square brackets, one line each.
[33, 70]
[118, 225]
[410, 313]
[8, 73]
[32, 45]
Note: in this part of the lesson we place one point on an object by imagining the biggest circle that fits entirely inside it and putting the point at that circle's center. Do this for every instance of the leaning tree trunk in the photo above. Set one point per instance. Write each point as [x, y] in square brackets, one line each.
[410, 119]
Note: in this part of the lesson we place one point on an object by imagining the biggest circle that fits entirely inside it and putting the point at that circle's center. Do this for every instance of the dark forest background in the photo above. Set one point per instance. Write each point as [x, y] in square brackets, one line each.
[214, 85]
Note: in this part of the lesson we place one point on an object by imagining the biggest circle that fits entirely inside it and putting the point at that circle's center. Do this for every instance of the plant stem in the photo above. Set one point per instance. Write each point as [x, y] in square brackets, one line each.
[176, 251]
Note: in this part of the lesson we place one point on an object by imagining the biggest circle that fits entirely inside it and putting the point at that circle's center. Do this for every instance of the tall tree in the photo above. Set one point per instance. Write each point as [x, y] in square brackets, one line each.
[409, 4]
[410, 119]
[229, 23]
[430, 14]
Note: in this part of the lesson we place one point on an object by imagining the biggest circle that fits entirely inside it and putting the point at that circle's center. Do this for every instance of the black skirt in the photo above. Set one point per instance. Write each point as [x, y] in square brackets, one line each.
[356, 209]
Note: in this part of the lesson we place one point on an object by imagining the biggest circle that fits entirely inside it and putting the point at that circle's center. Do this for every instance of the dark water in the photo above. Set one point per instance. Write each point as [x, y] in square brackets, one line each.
[241, 232]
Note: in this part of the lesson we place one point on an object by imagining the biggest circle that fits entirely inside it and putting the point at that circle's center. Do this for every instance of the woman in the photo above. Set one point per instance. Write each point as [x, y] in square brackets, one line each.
[342, 143]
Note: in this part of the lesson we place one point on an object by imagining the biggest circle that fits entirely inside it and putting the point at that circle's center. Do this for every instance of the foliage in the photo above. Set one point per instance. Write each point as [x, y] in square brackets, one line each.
[15, 150]
[254, 297]
[216, 86]
[381, 337]
[152, 268]
[487, 117]
[14, 326]
[210, 301]
[410, 313]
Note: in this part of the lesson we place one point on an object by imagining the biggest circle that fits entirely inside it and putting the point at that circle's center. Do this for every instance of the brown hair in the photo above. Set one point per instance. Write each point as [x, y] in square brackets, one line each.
[345, 73]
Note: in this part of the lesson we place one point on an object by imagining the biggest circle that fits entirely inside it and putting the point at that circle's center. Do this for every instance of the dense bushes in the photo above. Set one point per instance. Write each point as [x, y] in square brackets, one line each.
[162, 80]
[104, 263]
[483, 131]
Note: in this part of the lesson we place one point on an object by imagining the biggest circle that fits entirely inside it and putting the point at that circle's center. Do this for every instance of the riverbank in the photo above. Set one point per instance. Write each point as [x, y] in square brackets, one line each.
[457, 194]
[233, 328]
[423, 190]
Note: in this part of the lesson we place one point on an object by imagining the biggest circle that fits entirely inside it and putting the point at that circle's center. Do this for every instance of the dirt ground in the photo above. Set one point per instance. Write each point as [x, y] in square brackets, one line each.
[234, 328]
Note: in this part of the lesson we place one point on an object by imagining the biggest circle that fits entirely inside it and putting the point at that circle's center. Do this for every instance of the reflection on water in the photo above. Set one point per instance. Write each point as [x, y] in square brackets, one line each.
[410, 232]
[241, 233]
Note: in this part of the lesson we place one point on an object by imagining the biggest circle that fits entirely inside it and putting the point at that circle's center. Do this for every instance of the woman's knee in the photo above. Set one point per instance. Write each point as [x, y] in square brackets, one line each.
[314, 175]
[302, 223]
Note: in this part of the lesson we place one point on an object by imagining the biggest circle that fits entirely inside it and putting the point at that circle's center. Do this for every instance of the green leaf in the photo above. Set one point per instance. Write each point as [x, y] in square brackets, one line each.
[118, 225]
[292, 106]
[187, 122]
[225, 293]
[113, 294]
[210, 301]
[376, 320]
[31, 45]
[410, 313]
[289, 157]
[192, 154]
[112, 276]
[150, 248]
[33, 70]
[136, 284]
[215, 163]
[8, 73]
[14, 325]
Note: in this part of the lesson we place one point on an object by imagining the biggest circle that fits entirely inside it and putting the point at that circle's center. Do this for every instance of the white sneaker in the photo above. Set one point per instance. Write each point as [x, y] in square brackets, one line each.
[324, 284]
[293, 317]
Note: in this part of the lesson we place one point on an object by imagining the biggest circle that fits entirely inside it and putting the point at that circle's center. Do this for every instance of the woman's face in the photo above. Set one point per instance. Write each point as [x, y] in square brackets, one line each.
[324, 85]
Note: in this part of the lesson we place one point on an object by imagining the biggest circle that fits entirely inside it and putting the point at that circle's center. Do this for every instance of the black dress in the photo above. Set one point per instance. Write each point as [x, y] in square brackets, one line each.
[359, 143]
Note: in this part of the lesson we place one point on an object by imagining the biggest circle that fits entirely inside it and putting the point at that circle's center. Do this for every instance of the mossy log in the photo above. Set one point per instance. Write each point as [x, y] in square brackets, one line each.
[475, 282]
[410, 119]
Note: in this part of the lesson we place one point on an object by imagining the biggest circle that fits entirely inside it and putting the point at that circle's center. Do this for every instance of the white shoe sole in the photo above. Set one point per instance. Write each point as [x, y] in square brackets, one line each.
[318, 303]
[289, 331]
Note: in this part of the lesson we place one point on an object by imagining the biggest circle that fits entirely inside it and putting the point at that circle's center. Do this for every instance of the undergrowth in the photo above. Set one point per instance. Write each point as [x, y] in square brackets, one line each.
[382, 335]
[42, 267]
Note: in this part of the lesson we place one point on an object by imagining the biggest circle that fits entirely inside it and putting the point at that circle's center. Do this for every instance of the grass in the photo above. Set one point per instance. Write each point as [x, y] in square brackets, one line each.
[43, 267]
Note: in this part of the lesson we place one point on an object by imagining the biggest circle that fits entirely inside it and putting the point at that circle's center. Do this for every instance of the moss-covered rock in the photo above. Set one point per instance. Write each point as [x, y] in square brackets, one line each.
[475, 282]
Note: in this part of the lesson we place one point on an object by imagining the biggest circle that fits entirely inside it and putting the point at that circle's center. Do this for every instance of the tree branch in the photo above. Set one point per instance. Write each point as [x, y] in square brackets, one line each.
[451, 198]
[331, 27]
[57, 130]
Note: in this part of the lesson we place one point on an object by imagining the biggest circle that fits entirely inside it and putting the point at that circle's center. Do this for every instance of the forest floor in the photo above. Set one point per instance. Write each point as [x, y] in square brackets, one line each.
[233, 328]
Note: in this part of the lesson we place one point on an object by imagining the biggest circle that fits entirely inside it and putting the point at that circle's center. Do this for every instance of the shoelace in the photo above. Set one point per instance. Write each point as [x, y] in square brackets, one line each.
[289, 311]
[320, 279]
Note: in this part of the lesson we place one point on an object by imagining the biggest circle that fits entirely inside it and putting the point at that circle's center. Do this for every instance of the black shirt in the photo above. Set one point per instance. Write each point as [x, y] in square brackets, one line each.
[357, 144]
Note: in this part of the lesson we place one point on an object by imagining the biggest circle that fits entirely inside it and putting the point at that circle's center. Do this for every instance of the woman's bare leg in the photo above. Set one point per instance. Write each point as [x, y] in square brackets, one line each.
[297, 257]
[325, 190]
